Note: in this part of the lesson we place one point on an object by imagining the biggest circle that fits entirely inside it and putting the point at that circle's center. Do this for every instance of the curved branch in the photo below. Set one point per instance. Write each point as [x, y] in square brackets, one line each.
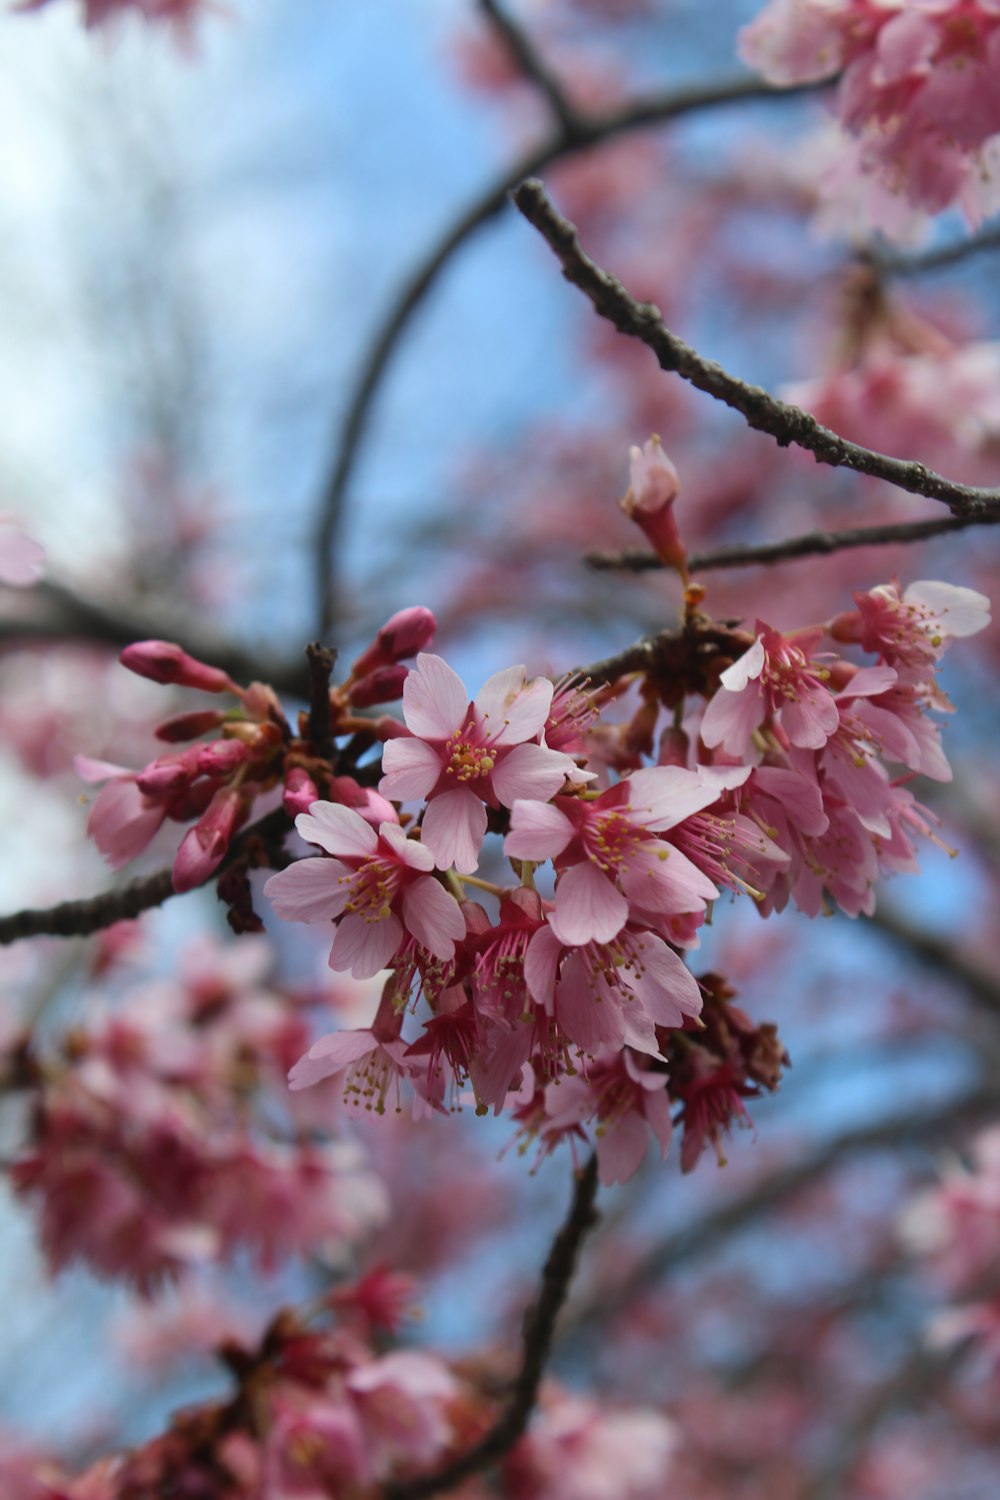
[533, 66]
[809, 544]
[936, 260]
[539, 1329]
[785, 423]
[92, 913]
[653, 109]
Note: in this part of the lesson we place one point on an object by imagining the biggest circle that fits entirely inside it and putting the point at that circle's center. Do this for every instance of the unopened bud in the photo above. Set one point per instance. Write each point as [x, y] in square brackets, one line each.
[383, 685]
[653, 487]
[204, 846]
[406, 633]
[189, 726]
[166, 662]
[221, 757]
[300, 792]
[169, 773]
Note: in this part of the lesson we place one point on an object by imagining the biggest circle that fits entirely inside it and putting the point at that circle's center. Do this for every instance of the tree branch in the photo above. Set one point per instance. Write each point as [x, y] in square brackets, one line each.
[785, 423]
[80, 918]
[809, 544]
[638, 114]
[533, 67]
[52, 611]
[936, 260]
[539, 1329]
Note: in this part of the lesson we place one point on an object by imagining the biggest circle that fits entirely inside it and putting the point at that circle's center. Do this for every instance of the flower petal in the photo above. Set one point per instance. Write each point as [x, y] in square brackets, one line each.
[588, 907]
[530, 772]
[537, 831]
[435, 702]
[365, 947]
[311, 890]
[409, 852]
[453, 829]
[337, 829]
[411, 768]
[511, 710]
[433, 916]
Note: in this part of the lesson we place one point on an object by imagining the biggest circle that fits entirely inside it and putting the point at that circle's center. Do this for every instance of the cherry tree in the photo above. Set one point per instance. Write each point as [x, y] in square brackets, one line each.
[500, 1067]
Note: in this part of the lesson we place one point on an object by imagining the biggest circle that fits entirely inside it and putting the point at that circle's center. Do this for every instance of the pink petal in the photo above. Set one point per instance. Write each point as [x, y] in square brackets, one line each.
[588, 908]
[121, 822]
[364, 947]
[621, 1149]
[731, 718]
[331, 1054]
[453, 829]
[537, 831]
[435, 702]
[541, 961]
[311, 890]
[530, 772]
[589, 1019]
[811, 718]
[668, 886]
[337, 829]
[22, 559]
[666, 987]
[665, 795]
[409, 852]
[511, 711]
[433, 916]
[89, 769]
[411, 767]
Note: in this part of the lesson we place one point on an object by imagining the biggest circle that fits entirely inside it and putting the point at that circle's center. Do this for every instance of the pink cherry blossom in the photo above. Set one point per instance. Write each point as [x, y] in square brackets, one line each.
[777, 680]
[912, 629]
[462, 757]
[376, 887]
[654, 486]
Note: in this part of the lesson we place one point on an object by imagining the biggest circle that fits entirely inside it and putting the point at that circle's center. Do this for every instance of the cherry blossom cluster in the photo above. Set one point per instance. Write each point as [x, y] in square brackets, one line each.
[253, 750]
[918, 89]
[320, 1411]
[955, 1227]
[152, 1141]
[566, 1002]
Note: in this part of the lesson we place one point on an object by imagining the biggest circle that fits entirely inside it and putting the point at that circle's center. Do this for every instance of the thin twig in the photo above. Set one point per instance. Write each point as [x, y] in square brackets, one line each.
[936, 260]
[638, 114]
[785, 423]
[533, 66]
[809, 544]
[53, 611]
[79, 918]
[539, 1330]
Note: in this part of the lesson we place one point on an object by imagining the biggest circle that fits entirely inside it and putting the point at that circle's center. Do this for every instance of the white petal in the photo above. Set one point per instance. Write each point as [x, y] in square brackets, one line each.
[337, 829]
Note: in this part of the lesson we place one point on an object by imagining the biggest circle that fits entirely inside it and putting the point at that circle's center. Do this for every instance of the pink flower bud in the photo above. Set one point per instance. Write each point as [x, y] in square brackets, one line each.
[675, 748]
[653, 488]
[221, 757]
[383, 685]
[409, 631]
[204, 846]
[300, 792]
[189, 726]
[163, 661]
[169, 773]
[388, 728]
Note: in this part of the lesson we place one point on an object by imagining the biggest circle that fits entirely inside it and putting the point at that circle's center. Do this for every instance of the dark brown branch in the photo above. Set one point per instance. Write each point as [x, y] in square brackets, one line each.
[639, 114]
[539, 1330]
[760, 410]
[321, 661]
[52, 611]
[80, 918]
[936, 260]
[533, 66]
[939, 953]
[906, 1130]
[810, 544]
